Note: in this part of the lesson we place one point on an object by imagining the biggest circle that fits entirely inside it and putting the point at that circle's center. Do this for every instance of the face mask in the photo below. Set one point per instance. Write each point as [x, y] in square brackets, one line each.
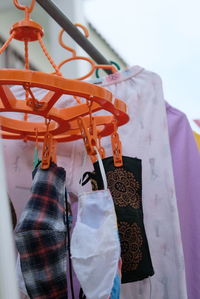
[95, 246]
[41, 236]
[125, 185]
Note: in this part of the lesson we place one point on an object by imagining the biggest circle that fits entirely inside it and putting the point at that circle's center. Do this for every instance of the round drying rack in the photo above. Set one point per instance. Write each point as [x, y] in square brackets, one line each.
[66, 123]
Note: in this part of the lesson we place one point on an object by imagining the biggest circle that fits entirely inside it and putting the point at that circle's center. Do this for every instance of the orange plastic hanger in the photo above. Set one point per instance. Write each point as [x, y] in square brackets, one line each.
[94, 66]
[65, 122]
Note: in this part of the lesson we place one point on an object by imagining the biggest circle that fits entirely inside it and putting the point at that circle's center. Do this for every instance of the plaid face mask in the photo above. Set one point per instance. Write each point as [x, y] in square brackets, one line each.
[41, 236]
[125, 185]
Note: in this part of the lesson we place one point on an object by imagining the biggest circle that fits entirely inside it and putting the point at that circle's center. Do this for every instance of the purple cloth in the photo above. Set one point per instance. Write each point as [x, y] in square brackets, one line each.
[186, 167]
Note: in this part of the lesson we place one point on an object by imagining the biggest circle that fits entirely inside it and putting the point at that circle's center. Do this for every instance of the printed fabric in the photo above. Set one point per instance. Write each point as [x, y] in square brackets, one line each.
[41, 236]
[125, 185]
[95, 247]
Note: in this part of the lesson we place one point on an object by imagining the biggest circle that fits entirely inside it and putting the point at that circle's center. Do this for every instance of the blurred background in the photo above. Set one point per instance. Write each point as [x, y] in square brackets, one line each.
[161, 36]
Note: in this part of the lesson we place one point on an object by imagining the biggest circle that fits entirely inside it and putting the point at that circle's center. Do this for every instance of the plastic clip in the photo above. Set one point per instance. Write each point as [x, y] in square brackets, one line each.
[47, 148]
[101, 148]
[89, 136]
[32, 101]
[53, 151]
[116, 146]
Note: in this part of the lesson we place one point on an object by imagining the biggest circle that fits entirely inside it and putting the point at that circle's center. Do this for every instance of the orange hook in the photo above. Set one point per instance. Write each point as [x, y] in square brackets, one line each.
[75, 57]
[60, 38]
[85, 30]
[24, 7]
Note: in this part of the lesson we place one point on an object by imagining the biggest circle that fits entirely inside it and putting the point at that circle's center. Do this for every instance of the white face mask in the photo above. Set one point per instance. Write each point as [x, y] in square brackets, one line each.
[95, 247]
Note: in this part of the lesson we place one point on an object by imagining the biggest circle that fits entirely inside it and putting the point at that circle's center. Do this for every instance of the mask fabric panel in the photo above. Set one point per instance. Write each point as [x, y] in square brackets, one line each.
[125, 185]
[95, 247]
[41, 236]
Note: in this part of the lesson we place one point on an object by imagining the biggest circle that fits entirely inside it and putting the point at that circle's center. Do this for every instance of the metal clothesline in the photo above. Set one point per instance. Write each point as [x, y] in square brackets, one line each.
[50, 7]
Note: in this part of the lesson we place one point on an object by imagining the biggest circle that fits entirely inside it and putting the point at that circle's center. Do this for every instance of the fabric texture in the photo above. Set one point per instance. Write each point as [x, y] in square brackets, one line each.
[95, 248]
[125, 185]
[41, 236]
[186, 167]
[20, 280]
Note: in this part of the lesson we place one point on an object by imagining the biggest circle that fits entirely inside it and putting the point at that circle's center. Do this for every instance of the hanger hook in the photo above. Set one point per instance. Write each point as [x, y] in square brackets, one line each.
[61, 42]
[60, 39]
[85, 30]
[24, 7]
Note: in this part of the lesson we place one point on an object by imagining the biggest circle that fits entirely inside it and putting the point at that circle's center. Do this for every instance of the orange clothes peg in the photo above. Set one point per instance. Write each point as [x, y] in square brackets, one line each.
[116, 146]
[89, 138]
[53, 151]
[101, 148]
[47, 148]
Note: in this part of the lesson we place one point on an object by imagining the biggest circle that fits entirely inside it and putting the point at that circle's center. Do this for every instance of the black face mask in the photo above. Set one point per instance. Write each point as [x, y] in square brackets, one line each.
[125, 184]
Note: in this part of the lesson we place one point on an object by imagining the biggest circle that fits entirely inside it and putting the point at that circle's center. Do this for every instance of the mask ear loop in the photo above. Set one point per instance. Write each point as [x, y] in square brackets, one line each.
[82, 168]
[102, 170]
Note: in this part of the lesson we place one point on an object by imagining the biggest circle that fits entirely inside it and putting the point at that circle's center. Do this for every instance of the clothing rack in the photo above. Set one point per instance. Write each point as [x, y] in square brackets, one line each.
[50, 7]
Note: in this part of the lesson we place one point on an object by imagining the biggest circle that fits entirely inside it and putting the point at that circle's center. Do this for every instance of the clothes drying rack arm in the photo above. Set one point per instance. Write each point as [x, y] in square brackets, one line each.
[50, 7]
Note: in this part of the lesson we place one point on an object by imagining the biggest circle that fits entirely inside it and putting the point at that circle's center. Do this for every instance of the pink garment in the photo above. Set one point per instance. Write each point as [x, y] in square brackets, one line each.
[186, 167]
[145, 137]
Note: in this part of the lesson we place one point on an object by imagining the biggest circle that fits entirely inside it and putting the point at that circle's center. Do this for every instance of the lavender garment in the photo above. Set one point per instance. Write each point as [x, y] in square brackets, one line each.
[186, 167]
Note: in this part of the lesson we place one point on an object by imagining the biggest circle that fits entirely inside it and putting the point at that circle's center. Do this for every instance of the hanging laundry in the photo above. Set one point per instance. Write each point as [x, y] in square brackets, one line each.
[125, 185]
[115, 294]
[146, 137]
[186, 167]
[41, 236]
[95, 246]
